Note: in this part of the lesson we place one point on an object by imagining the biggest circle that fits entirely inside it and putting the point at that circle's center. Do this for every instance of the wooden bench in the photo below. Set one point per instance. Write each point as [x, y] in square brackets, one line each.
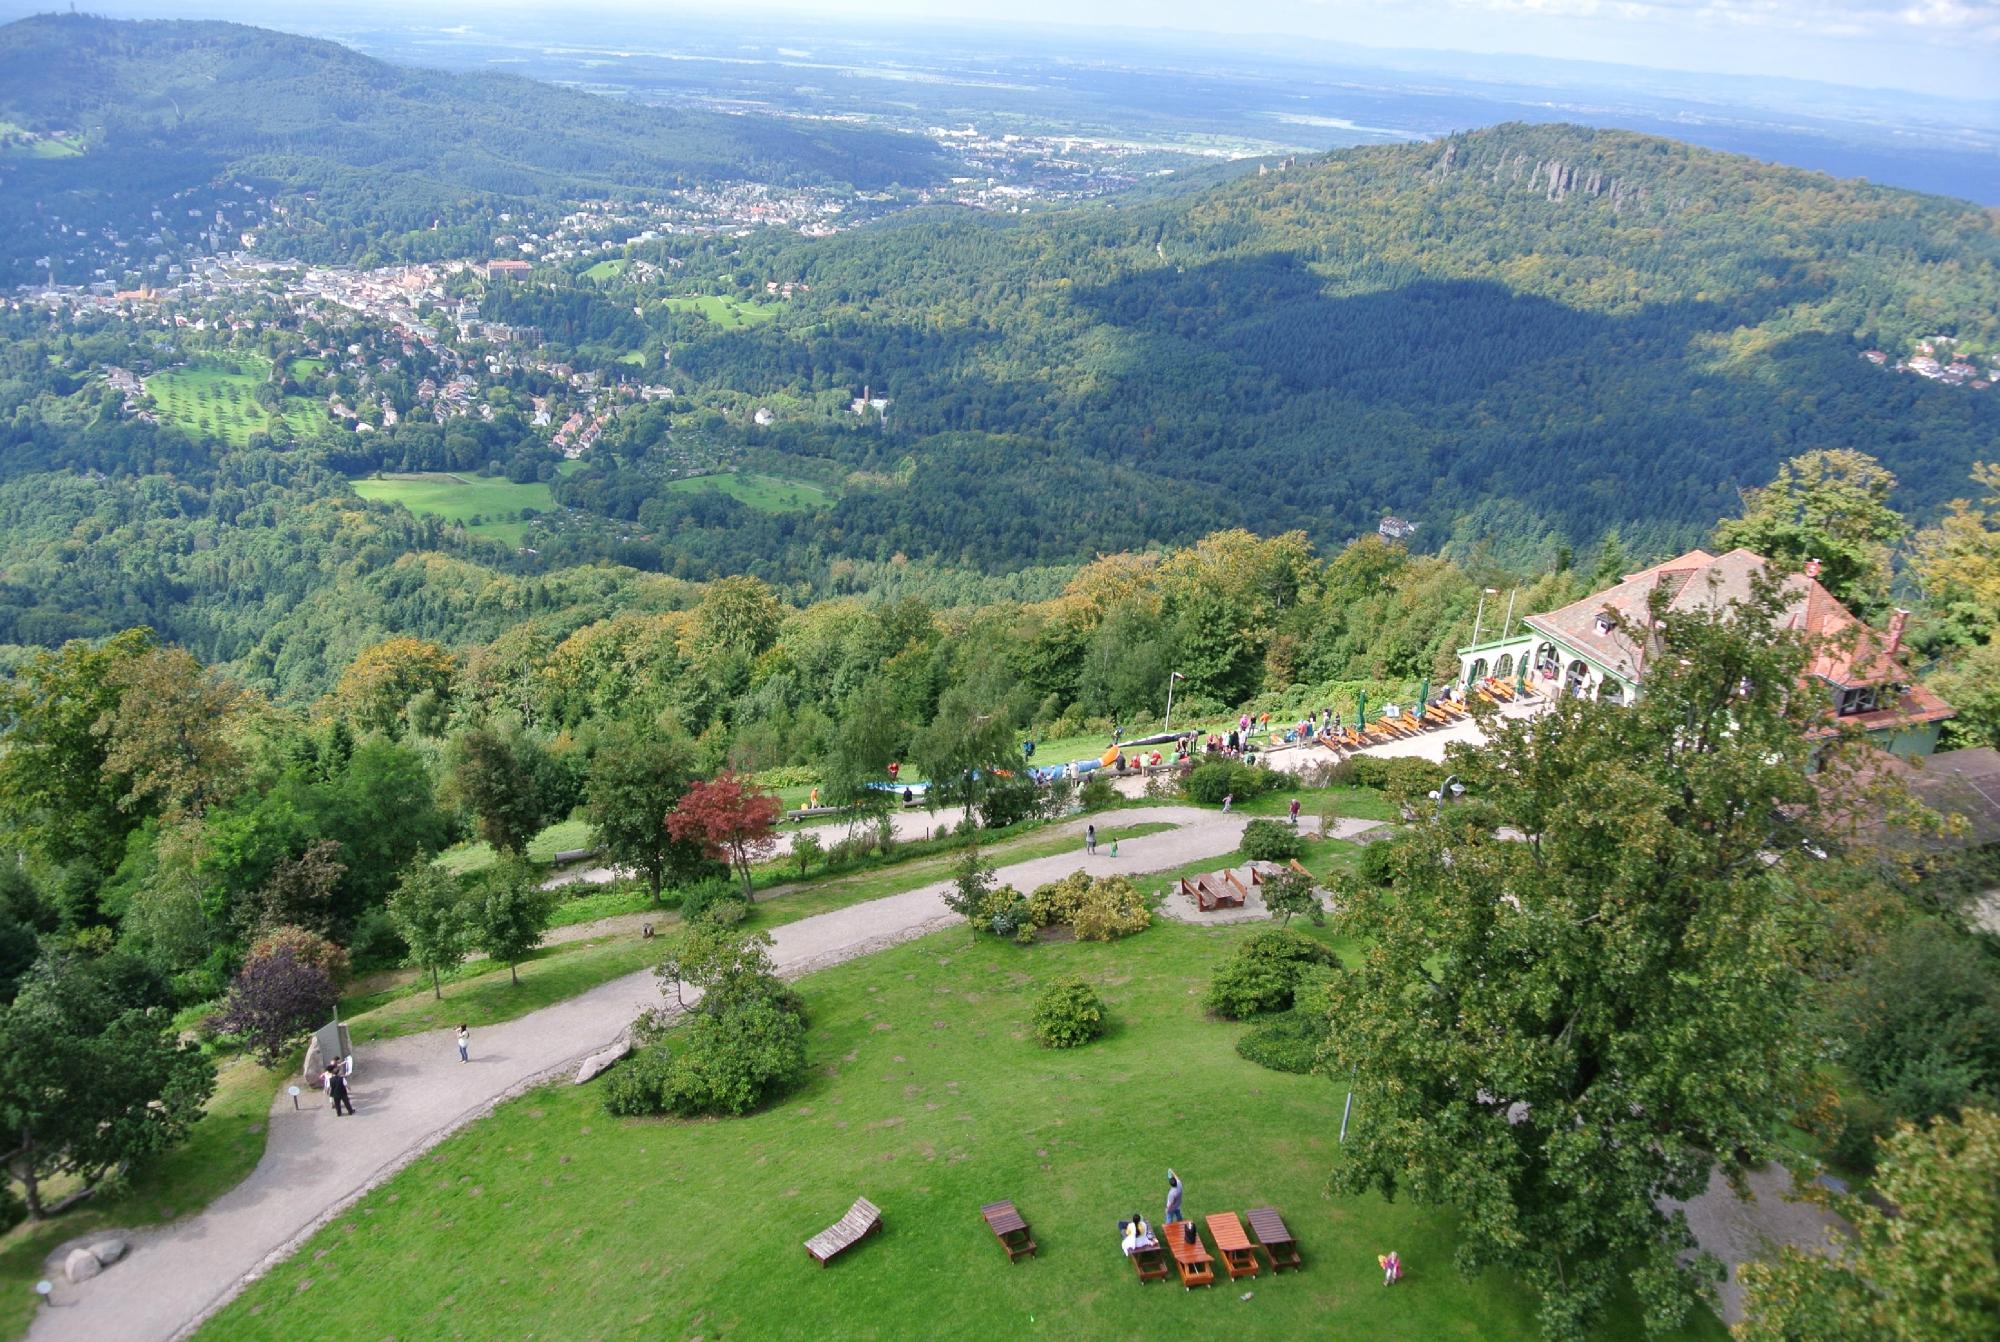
[1008, 1228]
[1274, 1238]
[863, 1219]
[1239, 1256]
[1235, 885]
[1196, 1267]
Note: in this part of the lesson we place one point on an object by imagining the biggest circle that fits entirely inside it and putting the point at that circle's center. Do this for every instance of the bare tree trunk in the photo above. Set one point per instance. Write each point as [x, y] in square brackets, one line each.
[436, 991]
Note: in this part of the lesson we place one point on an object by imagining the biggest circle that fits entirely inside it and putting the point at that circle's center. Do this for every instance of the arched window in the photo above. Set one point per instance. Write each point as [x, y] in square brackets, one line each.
[1578, 678]
[1505, 667]
[1478, 672]
[1611, 691]
[1547, 664]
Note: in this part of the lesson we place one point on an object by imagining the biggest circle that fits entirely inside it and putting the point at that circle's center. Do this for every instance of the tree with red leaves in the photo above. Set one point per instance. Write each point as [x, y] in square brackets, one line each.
[734, 821]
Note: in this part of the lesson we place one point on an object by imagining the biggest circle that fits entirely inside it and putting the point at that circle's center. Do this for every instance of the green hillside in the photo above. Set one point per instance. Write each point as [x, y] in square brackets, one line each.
[1527, 334]
[385, 150]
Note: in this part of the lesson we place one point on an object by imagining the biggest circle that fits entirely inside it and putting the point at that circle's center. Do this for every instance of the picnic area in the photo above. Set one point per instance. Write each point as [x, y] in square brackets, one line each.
[929, 1100]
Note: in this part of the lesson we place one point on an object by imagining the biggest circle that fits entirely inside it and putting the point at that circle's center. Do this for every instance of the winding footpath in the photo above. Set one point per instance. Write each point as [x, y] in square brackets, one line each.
[411, 1093]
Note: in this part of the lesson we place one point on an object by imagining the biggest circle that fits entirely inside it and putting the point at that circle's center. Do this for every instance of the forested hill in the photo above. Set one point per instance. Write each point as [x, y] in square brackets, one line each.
[1522, 332]
[385, 149]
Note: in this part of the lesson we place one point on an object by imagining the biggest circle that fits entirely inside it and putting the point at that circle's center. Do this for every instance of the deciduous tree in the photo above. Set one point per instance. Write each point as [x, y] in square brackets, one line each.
[1551, 1033]
[734, 821]
[90, 1082]
[1832, 506]
[169, 734]
[634, 782]
[274, 1000]
[377, 687]
[1928, 1272]
[428, 910]
[509, 912]
[498, 782]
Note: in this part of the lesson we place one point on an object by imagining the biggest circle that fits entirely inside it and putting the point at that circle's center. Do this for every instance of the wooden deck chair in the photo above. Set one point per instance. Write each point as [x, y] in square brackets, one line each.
[863, 1219]
[1008, 1227]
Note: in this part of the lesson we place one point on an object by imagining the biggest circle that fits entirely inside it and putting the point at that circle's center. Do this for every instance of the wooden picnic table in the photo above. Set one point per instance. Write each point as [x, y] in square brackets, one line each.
[1009, 1228]
[1239, 1257]
[1274, 1237]
[1196, 1267]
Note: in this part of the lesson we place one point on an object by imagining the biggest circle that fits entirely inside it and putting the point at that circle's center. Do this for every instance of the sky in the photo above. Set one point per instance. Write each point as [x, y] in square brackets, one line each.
[1945, 47]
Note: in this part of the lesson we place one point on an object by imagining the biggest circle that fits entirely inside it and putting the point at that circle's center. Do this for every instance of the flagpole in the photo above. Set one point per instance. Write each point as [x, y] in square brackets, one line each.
[1172, 676]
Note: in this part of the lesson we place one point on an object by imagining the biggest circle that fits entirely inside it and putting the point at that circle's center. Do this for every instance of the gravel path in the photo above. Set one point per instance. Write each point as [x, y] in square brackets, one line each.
[412, 1092]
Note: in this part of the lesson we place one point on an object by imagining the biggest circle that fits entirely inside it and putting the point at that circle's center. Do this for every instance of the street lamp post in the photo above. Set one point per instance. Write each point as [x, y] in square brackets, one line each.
[1448, 790]
[1172, 676]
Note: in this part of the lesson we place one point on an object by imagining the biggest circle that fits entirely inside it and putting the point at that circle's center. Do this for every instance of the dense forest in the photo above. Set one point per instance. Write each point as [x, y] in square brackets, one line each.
[362, 157]
[1521, 336]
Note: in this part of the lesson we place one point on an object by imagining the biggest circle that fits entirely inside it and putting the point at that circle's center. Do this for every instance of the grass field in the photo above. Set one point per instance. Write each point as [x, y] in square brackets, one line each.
[488, 506]
[216, 398]
[606, 270]
[735, 313]
[927, 1094]
[765, 493]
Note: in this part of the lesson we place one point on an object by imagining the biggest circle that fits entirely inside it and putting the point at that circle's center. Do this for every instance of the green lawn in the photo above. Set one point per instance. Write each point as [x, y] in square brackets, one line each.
[765, 493]
[224, 1147]
[565, 836]
[606, 270]
[488, 506]
[926, 1094]
[216, 399]
[734, 313]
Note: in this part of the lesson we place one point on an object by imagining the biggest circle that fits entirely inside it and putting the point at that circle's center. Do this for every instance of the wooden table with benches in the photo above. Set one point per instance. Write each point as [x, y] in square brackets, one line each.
[1239, 1256]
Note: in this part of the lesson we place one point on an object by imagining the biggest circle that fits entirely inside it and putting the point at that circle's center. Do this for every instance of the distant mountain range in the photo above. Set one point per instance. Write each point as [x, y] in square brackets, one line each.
[158, 105]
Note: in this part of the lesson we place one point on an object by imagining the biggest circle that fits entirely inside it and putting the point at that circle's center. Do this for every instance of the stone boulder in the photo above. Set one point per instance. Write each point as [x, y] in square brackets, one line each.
[81, 1265]
[315, 1060]
[597, 1063]
[109, 1251]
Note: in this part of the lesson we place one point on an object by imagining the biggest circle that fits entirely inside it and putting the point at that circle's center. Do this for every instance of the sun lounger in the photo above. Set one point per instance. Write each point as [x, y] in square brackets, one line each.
[1239, 1258]
[1274, 1238]
[864, 1218]
[1196, 1267]
[1009, 1229]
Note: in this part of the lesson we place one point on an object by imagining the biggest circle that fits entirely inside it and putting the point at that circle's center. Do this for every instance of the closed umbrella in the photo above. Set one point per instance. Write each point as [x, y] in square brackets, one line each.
[1361, 712]
[1424, 697]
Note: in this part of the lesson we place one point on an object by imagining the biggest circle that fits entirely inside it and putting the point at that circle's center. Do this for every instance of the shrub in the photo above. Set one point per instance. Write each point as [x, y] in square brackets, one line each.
[1406, 777]
[1056, 903]
[1005, 911]
[1863, 1122]
[1265, 974]
[1009, 801]
[742, 1047]
[1271, 841]
[1210, 783]
[375, 942]
[1097, 793]
[1111, 908]
[1377, 864]
[1255, 780]
[1286, 1042]
[716, 899]
[1068, 1013]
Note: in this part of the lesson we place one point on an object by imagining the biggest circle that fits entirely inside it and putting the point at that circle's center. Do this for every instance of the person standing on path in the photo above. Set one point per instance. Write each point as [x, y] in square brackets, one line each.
[1295, 813]
[336, 1089]
[1173, 1198]
[464, 1044]
[1090, 840]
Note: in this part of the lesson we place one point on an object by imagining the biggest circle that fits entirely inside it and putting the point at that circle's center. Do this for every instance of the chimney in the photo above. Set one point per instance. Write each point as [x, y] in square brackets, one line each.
[1896, 623]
